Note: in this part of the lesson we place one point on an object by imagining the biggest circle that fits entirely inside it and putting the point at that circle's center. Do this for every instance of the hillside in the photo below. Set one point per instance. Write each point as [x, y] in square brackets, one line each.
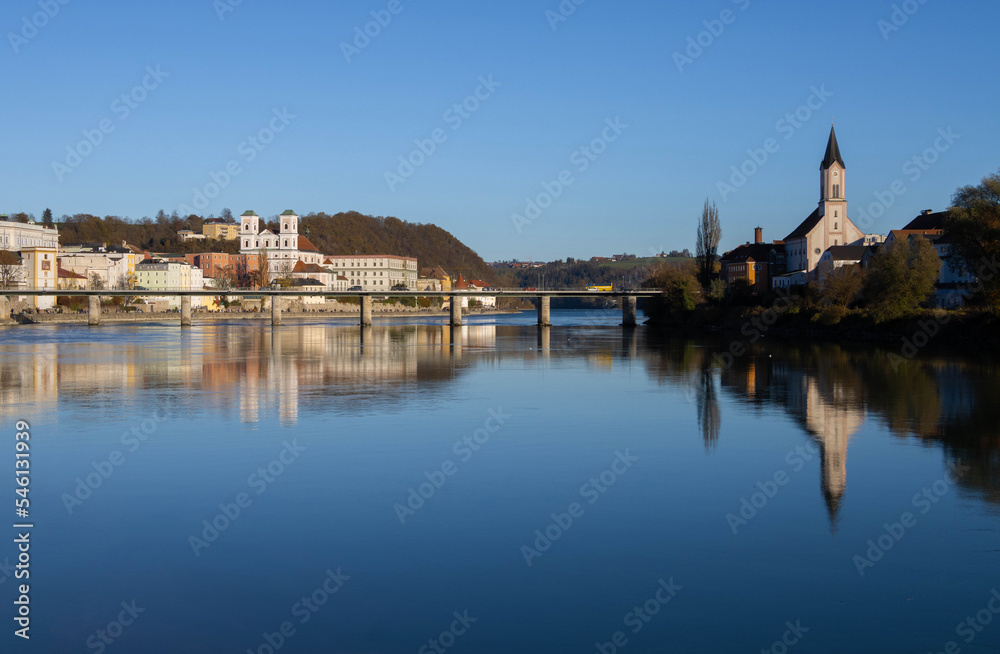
[342, 233]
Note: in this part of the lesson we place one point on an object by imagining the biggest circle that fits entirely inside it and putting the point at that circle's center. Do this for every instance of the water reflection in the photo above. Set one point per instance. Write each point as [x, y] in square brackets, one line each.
[831, 390]
[249, 371]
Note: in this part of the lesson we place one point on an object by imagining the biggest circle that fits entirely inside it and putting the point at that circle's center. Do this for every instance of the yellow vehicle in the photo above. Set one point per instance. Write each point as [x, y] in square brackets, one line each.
[606, 289]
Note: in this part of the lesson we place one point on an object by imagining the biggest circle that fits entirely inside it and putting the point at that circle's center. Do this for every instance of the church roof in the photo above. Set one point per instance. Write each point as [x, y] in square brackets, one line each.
[289, 212]
[250, 213]
[833, 151]
[305, 245]
[807, 226]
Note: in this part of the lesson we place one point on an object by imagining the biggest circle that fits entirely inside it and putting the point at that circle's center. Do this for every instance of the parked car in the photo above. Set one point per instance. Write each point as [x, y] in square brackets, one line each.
[400, 287]
[355, 288]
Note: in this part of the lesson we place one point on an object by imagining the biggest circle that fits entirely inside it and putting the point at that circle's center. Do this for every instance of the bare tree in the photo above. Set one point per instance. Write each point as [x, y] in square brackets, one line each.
[283, 270]
[126, 282]
[96, 282]
[11, 272]
[709, 235]
[262, 276]
[225, 280]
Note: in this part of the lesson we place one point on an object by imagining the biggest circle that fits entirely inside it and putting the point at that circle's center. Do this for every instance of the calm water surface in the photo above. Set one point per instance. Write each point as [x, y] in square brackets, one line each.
[556, 487]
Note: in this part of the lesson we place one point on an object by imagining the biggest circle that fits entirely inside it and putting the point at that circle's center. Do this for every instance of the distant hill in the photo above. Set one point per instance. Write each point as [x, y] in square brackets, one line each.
[342, 233]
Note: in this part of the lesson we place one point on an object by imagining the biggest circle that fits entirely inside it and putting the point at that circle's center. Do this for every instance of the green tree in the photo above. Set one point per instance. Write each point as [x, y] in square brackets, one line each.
[842, 286]
[709, 235]
[901, 277]
[974, 227]
[47, 217]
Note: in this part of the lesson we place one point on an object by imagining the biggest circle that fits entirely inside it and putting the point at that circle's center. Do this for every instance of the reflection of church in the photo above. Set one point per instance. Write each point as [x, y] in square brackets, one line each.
[827, 408]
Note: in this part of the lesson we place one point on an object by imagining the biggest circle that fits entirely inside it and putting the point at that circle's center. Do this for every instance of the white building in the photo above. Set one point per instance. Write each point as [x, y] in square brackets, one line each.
[283, 248]
[159, 275]
[380, 272]
[111, 265]
[40, 268]
[16, 236]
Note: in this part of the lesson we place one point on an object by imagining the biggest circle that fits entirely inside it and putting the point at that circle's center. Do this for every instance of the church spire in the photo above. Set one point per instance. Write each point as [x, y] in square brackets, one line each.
[833, 151]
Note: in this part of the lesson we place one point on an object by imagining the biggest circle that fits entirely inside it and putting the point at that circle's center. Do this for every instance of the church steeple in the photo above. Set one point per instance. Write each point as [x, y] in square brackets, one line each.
[833, 151]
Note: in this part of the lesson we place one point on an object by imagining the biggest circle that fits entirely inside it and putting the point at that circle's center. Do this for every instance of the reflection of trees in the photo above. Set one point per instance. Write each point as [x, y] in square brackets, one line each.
[709, 415]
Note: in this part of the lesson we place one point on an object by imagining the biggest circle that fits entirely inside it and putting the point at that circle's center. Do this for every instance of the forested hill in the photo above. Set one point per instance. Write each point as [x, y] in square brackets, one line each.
[355, 233]
[337, 234]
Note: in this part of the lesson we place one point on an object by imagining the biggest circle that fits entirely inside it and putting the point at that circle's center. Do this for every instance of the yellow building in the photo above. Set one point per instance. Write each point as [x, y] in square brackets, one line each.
[40, 273]
[221, 231]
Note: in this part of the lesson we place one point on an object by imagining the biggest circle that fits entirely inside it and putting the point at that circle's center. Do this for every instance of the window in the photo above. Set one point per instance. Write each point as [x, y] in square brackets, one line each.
[836, 225]
[836, 190]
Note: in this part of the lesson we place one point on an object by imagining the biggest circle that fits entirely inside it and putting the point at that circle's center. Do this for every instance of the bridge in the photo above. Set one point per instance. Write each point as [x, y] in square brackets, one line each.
[629, 299]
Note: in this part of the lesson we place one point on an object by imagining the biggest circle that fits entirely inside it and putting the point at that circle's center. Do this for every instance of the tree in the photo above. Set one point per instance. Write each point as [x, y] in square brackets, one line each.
[126, 282]
[262, 276]
[227, 215]
[11, 272]
[901, 277]
[974, 227]
[709, 235]
[283, 271]
[96, 282]
[47, 217]
[843, 285]
[679, 285]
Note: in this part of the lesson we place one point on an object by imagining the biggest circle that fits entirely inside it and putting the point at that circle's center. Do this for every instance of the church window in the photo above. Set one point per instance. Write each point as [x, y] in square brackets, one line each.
[836, 190]
[836, 226]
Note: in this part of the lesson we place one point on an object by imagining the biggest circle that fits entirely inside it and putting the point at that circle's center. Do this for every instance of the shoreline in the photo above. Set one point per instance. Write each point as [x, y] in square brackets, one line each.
[139, 318]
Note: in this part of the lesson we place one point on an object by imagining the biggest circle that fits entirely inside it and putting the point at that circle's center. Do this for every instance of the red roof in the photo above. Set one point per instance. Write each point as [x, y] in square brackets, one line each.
[302, 267]
[62, 273]
[305, 245]
[460, 283]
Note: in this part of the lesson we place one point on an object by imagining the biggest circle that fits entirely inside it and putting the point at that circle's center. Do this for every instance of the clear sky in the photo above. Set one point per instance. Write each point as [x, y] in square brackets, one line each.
[550, 87]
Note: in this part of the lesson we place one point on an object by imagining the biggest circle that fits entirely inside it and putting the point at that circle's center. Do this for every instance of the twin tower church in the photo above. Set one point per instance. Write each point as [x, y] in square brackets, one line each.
[828, 234]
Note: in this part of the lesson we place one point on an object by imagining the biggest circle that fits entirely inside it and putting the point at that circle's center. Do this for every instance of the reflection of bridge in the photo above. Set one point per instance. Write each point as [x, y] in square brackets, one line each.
[628, 298]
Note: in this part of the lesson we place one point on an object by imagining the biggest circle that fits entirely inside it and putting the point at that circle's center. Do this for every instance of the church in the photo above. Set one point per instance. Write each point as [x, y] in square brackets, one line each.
[828, 226]
[283, 248]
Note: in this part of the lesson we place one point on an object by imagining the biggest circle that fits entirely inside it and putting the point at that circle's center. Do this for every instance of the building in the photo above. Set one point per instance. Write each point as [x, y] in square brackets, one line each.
[433, 279]
[955, 281]
[162, 275]
[758, 263]
[325, 277]
[107, 266]
[283, 248]
[485, 301]
[67, 280]
[219, 229]
[839, 256]
[15, 236]
[828, 226]
[40, 266]
[189, 235]
[379, 272]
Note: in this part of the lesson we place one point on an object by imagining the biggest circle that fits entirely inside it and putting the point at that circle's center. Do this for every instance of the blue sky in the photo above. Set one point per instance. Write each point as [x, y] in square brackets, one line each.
[549, 92]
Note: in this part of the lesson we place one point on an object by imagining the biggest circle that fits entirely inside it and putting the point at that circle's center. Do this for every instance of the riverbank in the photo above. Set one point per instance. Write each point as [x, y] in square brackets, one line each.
[923, 328]
[205, 316]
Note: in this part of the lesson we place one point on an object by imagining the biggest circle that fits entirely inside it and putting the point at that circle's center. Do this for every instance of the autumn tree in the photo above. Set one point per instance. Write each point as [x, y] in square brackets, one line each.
[842, 286]
[974, 227]
[707, 246]
[901, 277]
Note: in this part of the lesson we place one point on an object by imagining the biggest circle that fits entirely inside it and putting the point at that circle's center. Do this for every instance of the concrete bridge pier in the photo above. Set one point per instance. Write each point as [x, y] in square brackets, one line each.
[366, 310]
[545, 341]
[456, 311]
[185, 311]
[629, 311]
[545, 311]
[94, 310]
[275, 311]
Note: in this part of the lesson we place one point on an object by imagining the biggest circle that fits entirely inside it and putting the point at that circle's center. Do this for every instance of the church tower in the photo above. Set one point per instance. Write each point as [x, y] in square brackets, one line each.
[833, 192]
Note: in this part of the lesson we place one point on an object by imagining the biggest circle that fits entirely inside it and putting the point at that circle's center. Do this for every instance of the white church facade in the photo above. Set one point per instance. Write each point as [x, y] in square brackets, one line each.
[283, 248]
[828, 226]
